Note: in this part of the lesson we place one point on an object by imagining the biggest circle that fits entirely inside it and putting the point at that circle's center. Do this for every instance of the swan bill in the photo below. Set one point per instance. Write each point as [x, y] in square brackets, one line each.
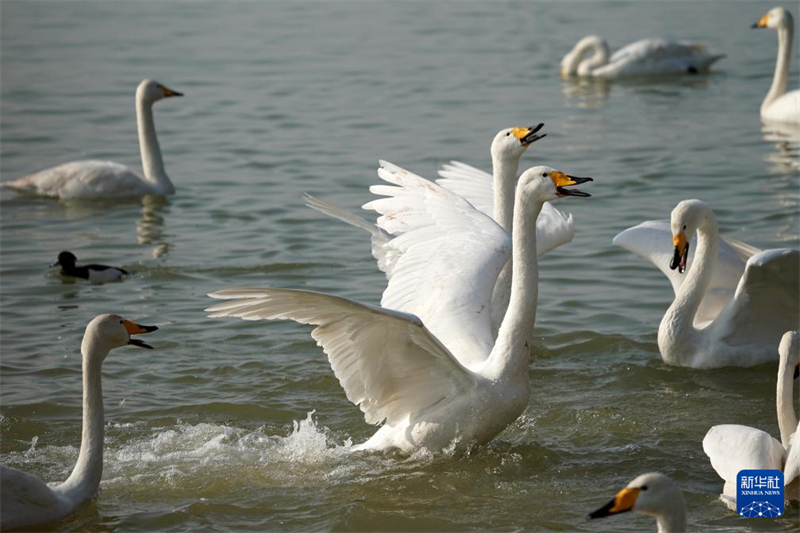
[622, 503]
[762, 22]
[681, 253]
[169, 92]
[138, 329]
[561, 180]
[527, 136]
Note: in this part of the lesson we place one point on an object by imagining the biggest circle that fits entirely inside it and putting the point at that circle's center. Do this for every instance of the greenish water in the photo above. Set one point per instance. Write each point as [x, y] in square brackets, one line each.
[212, 430]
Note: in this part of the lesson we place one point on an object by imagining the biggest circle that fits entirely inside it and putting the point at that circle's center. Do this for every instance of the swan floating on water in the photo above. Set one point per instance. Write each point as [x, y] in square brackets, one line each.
[396, 368]
[107, 179]
[553, 228]
[652, 494]
[93, 273]
[648, 57]
[724, 313]
[733, 447]
[779, 105]
[25, 500]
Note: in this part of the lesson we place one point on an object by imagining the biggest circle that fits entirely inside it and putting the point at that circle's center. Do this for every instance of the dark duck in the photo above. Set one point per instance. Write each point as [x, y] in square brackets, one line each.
[93, 273]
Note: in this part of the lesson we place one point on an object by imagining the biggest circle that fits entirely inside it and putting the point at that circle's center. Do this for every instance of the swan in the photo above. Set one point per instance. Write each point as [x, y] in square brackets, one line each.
[779, 105]
[652, 494]
[732, 447]
[93, 273]
[107, 179]
[396, 368]
[648, 57]
[710, 324]
[553, 228]
[25, 500]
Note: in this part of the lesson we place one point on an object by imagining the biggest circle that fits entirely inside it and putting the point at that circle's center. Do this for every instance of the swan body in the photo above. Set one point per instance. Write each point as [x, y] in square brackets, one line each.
[732, 447]
[394, 366]
[652, 494]
[779, 105]
[553, 228]
[106, 179]
[93, 273]
[26, 500]
[647, 57]
[732, 328]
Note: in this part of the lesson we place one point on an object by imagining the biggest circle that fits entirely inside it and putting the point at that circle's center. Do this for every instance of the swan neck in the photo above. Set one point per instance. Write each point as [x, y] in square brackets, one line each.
[787, 418]
[598, 59]
[674, 519]
[504, 171]
[781, 78]
[85, 477]
[509, 357]
[675, 335]
[152, 162]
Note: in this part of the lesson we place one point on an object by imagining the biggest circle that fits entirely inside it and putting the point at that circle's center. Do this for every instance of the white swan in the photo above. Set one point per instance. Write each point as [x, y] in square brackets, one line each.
[779, 105]
[25, 500]
[652, 494]
[394, 367]
[738, 327]
[106, 179]
[732, 447]
[553, 228]
[648, 57]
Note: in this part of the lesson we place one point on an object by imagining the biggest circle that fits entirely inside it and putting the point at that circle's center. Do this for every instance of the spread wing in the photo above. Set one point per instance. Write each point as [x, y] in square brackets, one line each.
[387, 362]
[652, 240]
[450, 257]
[765, 305]
[553, 227]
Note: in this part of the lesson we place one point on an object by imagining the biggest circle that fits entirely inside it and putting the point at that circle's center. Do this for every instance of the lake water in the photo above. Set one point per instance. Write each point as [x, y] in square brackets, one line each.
[229, 425]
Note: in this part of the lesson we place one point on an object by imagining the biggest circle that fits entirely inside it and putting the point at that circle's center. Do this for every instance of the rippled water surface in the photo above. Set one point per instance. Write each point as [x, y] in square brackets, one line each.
[229, 425]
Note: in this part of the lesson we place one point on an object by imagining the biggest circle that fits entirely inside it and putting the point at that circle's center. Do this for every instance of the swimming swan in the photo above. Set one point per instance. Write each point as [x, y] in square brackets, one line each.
[553, 228]
[106, 179]
[734, 327]
[733, 447]
[779, 105]
[25, 500]
[396, 369]
[652, 494]
[648, 57]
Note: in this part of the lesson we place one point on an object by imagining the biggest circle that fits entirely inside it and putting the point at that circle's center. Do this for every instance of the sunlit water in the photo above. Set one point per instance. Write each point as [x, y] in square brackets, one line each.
[214, 429]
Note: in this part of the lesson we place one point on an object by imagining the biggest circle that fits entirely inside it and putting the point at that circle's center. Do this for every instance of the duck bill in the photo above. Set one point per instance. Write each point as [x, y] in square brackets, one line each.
[527, 136]
[762, 22]
[562, 181]
[137, 329]
[622, 503]
[681, 255]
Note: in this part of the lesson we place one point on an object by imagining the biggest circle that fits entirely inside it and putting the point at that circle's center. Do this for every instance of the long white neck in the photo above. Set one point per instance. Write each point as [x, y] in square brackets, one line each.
[509, 357]
[85, 477]
[787, 418]
[504, 170]
[152, 163]
[673, 519]
[677, 334]
[781, 78]
[598, 58]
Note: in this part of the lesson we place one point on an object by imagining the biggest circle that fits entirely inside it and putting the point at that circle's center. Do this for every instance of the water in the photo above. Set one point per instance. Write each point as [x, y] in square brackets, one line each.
[211, 430]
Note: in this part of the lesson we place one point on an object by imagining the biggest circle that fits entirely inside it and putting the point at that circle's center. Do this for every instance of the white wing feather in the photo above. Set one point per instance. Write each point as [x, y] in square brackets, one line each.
[82, 179]
[657, 56]
[450, 257]
[553, 227]
[387, 362]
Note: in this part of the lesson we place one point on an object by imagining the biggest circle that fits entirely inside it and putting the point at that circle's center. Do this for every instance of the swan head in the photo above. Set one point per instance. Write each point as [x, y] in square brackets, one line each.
[113, 331]
[65, 260]
[511, 143]
[573, 63]
[151, 91]
[548, 184]
[776, 18]
[652, 494]
[686, 218]
[789, 349]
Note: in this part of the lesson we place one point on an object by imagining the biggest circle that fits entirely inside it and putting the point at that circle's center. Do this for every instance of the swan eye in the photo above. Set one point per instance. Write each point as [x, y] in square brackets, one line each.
[644, 487]
[120, 321]
[508, 133]
[544, 174]
[684, 227]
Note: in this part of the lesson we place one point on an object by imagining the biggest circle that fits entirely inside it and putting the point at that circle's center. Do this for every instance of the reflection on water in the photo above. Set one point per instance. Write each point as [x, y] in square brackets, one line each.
[149, 227]
[786, 138]
[586, 93]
